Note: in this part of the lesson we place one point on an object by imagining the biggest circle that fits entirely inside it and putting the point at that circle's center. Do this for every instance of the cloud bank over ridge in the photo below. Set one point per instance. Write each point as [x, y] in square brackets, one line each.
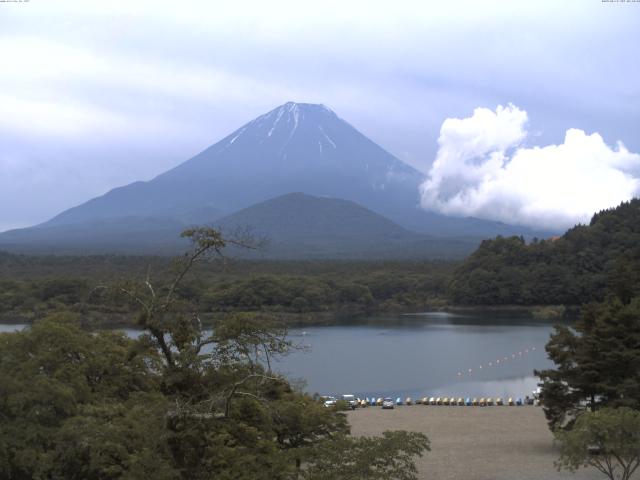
[484, 169]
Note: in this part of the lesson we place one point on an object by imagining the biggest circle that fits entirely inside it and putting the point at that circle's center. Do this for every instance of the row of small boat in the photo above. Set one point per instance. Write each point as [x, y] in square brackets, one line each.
[453, 401]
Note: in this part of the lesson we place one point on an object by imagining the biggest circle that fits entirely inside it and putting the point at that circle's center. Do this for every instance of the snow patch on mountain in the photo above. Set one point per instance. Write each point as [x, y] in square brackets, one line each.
[275, 123]
[326, 136]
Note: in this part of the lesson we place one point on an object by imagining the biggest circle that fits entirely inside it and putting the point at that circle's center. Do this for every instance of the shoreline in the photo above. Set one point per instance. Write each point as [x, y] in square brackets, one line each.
[544, 313]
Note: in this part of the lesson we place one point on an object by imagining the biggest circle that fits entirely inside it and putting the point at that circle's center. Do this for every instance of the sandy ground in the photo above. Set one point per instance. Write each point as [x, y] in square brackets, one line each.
[474, 443]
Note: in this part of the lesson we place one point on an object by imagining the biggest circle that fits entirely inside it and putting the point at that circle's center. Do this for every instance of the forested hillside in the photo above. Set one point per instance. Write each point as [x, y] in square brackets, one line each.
[583, 265]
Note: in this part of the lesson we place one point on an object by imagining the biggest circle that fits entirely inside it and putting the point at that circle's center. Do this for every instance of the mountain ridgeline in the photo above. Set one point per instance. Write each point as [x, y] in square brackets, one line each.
[291, 226]
[297, 225]
[585, 264]
[294, 148]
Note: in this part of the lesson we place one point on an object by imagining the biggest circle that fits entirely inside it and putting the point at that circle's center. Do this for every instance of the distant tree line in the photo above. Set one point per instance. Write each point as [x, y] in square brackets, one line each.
[585, 264]
[32, 286]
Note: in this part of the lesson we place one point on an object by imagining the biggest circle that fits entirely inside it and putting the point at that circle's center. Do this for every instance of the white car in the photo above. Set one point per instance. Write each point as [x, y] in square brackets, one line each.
[351, 400]
[329, 401]
[388, 403]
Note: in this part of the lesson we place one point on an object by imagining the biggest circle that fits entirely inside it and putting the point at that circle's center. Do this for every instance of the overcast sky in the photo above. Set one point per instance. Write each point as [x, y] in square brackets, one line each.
[98, 94]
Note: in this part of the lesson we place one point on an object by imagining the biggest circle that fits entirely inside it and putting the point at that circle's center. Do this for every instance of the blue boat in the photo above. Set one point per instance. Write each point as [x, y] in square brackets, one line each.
[519, 401]
[398, 401]
[467, 402]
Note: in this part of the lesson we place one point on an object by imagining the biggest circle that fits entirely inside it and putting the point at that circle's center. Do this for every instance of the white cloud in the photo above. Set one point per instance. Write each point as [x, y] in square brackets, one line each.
[483, 170]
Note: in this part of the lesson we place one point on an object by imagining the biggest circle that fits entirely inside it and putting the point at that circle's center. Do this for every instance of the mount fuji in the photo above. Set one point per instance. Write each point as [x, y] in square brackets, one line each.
[297, 147]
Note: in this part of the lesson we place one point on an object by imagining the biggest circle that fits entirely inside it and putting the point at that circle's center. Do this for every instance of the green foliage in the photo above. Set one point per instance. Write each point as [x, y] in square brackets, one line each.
[250, 337]
[105, 440]
[608, 440]
[389, 457]
[597, 362]
[79, 405]
[54, 374]
[549, 312]
[179, 402]
[31, 287]
[583, 265]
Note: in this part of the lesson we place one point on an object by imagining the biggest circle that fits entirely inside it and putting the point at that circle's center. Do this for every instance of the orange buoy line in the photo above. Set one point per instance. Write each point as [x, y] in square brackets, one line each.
[498, 361]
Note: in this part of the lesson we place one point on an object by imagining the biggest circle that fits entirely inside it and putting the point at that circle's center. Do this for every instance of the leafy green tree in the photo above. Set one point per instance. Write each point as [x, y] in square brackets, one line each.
[300, 422]
[222, 384]
[585, 264]
[389, 457]
[597, 362]
[252, 338]
[179, 402]
[608, 440]
[112, 440]
[52, 374]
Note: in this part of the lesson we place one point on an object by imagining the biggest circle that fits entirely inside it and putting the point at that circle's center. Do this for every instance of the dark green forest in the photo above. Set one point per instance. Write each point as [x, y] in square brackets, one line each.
[583, 265]
[300, 290]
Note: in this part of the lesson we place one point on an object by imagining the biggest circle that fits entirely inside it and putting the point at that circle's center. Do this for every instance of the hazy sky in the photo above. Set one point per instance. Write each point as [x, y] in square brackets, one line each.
[96, 94]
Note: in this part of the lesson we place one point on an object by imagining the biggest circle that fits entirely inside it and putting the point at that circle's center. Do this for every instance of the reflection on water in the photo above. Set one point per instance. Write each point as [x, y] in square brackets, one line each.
[505, 388]
[430, 354]
[11, 327]
[422, 355]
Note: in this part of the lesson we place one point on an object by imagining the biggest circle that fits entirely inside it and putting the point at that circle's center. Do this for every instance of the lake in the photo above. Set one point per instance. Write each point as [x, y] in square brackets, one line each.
[429, 354]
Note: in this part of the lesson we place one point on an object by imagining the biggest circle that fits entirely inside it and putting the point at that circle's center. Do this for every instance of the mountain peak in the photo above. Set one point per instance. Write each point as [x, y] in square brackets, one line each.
[305, 106]
[296, 147]
[294, 112]
[307, 111]
[280, 128]
[302, 147]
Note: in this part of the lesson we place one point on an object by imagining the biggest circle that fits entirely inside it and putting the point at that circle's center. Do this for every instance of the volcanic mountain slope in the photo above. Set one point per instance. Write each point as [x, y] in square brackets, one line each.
[297, 225]
[293, 226]
[294, 148]
[123, 235]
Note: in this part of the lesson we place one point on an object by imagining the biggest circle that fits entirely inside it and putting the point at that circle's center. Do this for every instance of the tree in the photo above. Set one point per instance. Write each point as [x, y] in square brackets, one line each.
[597, 363]
[112, 440]
[389, 457]
[179, 402]
[608, 440]
[57, 383]
[301, 422]
[587, 263]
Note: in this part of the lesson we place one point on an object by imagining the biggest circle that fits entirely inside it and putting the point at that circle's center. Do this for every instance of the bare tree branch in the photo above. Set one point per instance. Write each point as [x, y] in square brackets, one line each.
[238, 384]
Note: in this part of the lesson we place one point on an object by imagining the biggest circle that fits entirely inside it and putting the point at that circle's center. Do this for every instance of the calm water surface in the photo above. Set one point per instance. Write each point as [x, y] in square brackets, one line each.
[423, 355]
[430, 354]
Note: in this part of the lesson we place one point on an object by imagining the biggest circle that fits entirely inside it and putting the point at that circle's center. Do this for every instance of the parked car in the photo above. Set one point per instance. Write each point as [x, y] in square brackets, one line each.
[351, 400]
[387, 403]
[329, 401]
